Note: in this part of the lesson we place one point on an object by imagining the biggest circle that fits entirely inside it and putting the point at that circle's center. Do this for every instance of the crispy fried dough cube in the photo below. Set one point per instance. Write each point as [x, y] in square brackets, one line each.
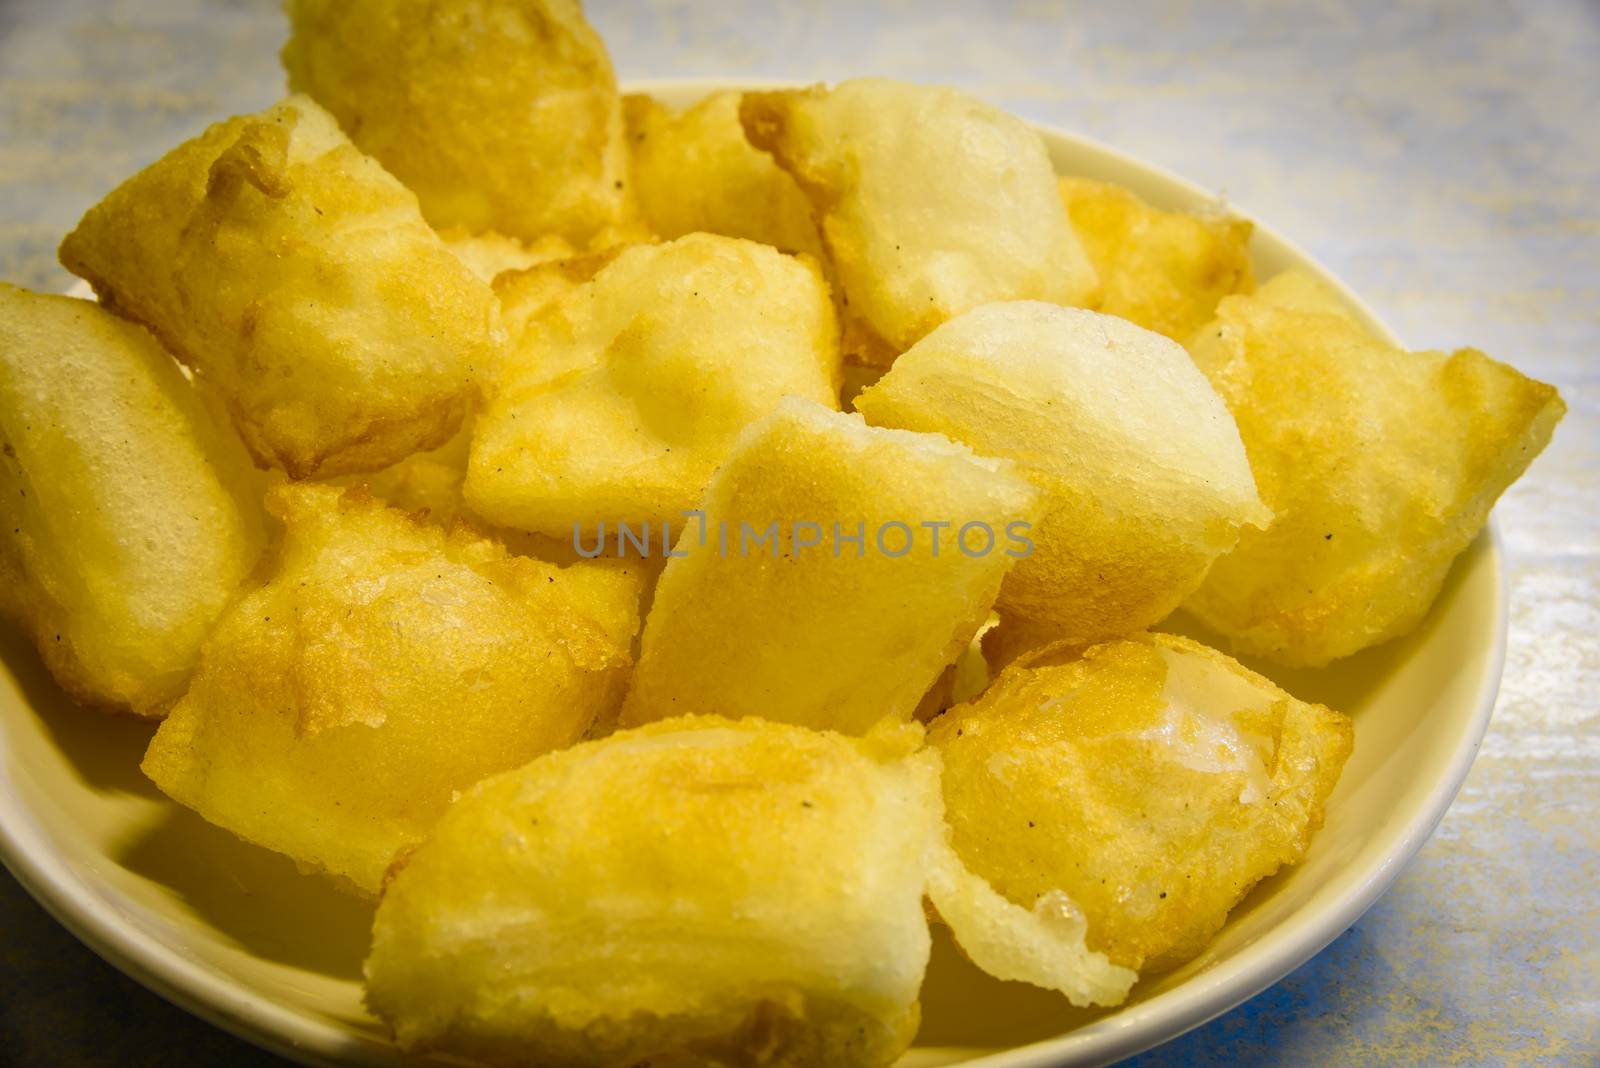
[1152, 779]
[695, 171]
[125, 531]
[499, 116]
[384, 665]
[624, 394]
[699, 891]
[772, 610]
[931, 203]
[1141, 475]
[1381, 465]
[297, 277]
[1164, 270]
[696, 891]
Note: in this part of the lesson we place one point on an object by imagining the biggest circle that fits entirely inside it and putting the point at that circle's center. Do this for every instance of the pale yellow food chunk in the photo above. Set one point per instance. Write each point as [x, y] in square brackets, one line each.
[298, 278]
[1164, 270]
[489, 255]
[428, 485]
[1045, 943]
[424, 482]
[526, 274]
[931, 203]
[124, 531]
[774, 611]
[624, 394]
[526, 292]
[699, 891]
[1153, 780]
[1380, 464]
[384, 665]
[498, 115]
[695, 171]
[1140, 473]
[696, 891]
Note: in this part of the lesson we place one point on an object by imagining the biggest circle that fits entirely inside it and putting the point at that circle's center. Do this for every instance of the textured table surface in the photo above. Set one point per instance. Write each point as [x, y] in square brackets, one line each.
[1444, 158]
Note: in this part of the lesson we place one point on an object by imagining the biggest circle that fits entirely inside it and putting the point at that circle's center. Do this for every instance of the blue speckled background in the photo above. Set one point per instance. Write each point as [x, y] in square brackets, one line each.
[1443, 157]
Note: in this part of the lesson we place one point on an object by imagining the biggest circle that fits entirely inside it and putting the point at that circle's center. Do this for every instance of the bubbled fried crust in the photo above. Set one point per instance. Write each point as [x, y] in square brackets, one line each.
[297, 278]
[529, 145]
[1063, 776]
[1164, 270]
[384, 664]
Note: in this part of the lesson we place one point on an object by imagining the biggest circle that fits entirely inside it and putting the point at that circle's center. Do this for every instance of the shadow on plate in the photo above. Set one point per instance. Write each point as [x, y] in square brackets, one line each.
[251, 896]
[964, 1008]
[103, 748]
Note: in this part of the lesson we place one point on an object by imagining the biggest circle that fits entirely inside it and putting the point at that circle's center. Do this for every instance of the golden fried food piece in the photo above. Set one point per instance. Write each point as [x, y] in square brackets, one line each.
[489, 255]
[1045, 944]
[384, 665]
[297, 277]
[1381, 465]
[1141, 475]
[931, 203]
[817, 588]
[625, 394]
[428, 485]
[695, 171]
[699, 891]
[521, 270]
[124, 535]
[1164, 270]
[424, 482]
[499, 116]
[696, 891]
[1153, 780]
[526, 292]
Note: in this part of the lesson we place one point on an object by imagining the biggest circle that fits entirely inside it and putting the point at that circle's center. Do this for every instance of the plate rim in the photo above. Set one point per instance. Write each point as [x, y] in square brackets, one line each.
[229, 1004]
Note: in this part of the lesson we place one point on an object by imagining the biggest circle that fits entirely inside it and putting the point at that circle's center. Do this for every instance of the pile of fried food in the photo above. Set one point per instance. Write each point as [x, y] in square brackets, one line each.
[334, 478]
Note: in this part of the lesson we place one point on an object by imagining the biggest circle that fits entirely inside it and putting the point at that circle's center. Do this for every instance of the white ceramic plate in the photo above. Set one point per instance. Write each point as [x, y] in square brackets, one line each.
[236, 935]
